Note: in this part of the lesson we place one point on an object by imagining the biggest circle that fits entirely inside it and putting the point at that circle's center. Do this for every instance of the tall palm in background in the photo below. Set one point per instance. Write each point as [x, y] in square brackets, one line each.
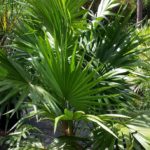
[75, 72]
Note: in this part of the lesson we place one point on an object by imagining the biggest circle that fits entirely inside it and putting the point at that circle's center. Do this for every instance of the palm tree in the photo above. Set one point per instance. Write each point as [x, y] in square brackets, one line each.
[75, 72]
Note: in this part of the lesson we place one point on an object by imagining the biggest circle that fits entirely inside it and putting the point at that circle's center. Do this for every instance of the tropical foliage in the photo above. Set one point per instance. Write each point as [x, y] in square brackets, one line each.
[78, 70]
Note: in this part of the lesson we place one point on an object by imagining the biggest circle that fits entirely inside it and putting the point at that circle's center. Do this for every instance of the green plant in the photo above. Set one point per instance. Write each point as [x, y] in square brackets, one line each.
[10, 13]
[73, 72]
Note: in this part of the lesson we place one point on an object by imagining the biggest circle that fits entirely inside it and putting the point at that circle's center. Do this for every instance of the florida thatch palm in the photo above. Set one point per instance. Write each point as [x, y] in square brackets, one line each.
[71, 70]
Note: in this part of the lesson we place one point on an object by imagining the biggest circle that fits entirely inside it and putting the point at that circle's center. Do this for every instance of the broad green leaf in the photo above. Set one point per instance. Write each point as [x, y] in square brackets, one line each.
[68, 114]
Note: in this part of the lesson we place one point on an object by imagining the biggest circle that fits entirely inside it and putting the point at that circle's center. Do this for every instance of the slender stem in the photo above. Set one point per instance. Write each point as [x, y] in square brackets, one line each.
[67, 128]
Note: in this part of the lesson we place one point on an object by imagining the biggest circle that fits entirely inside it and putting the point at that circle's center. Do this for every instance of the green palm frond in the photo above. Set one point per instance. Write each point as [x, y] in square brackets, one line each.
[15, 79]
[105, 6]
[61, 18]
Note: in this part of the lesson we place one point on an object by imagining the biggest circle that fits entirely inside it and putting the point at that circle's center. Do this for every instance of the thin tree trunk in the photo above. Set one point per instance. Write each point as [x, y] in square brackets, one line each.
[67, 128]
[139, 12]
